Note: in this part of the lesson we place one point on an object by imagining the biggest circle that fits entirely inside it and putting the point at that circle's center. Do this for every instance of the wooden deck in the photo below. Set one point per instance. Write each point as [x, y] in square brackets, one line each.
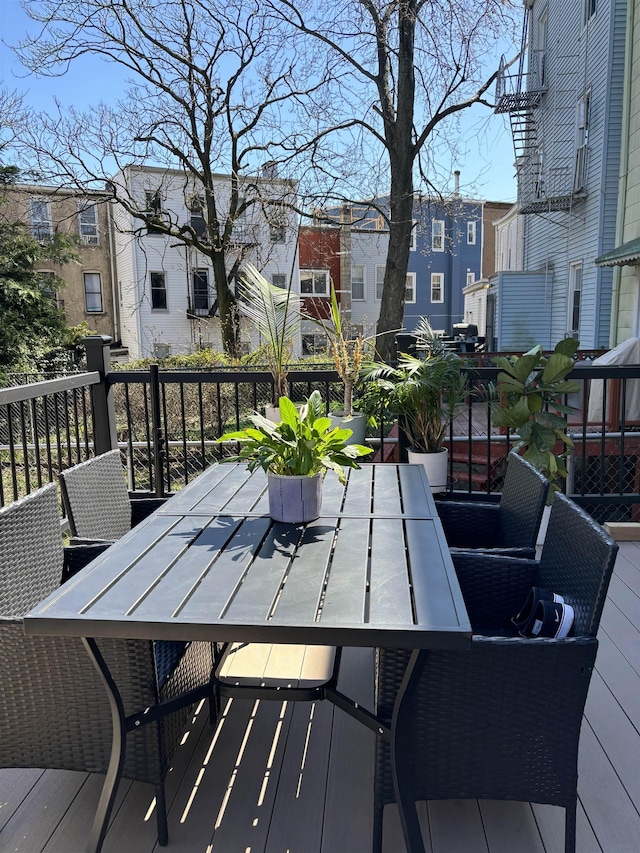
[297, 779]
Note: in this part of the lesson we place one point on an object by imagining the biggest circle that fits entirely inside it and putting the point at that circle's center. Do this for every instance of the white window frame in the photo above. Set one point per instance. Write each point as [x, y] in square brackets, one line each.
[362, 281]
[196, 216]
[90, 276]
[440, 285]
[315, 274]
[410, 289]
[472, 232]
[437, 235]
[576, 274]
[87, 225]
[318, 345]
[590, 8]
[414, 236]
[380, 268]
[202, 274]
[40, 219]
[153, 207]
[152, 273]
[471, 277]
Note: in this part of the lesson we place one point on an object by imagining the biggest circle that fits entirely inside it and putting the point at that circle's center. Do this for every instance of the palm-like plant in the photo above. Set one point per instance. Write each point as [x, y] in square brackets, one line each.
[425, 393]
[275, 313]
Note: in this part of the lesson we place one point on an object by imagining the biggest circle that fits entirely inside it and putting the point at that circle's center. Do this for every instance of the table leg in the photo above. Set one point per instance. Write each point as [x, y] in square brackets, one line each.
[401, 753]
[118, 743]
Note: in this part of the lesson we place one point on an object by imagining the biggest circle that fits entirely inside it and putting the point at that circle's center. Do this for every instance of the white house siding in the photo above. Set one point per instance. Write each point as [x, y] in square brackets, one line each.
[579, 58]
[145, 328]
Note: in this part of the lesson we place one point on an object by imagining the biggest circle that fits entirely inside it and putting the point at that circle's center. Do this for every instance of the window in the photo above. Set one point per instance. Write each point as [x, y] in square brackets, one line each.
[471, 277]
[200, 280]
[153, 209]
[314, 282]
[49, 285]
[313, 343]
[575, 295]
[414, 231]
[279, 279]
[196, 216]
[410, 292]
[92, 293]
[471, 233]
[238, 234]
[437, 287]
[582, 142]
[357, 283]
[158, 291]
[379, 281]
[88, 224]
[277, 224]
[40, 219]
[437, 235]
[542, 47]
[589, 10]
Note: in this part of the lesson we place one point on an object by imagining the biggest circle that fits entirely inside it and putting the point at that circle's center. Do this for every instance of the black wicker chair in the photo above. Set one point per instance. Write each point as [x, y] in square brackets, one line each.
[96, 501]
[54, 711]
[509, 527]
[502, 719]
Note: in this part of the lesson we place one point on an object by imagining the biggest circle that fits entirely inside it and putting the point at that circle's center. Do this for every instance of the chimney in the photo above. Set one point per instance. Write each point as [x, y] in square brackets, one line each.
[456, 184]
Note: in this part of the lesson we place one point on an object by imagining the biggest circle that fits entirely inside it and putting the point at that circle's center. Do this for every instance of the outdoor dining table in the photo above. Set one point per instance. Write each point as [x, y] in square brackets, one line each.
[373, 570]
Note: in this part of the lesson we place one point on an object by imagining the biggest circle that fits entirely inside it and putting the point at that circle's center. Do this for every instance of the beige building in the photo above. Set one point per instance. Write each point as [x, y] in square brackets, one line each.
[88, 292]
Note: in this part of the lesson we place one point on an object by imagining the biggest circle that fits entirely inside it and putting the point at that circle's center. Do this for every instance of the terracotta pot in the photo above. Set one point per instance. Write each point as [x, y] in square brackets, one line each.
[435, 464]
[294, 498]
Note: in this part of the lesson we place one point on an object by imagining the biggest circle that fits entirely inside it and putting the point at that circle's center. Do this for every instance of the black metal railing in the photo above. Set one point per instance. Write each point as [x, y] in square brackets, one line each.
[166, 423]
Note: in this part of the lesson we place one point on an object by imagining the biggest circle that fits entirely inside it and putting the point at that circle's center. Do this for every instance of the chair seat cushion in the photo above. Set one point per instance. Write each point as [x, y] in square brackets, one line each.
[276, 665]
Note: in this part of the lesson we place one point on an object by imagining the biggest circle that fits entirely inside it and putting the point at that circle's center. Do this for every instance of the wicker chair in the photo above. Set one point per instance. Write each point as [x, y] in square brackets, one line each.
[54, 711]
[509, 527]
[96, 501]
[502, 719]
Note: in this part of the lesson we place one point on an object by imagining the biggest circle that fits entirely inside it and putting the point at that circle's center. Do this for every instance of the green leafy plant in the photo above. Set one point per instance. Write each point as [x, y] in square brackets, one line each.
[275, 313]
[531, 391]
[425, 393]
[303, 443]
[349, 350]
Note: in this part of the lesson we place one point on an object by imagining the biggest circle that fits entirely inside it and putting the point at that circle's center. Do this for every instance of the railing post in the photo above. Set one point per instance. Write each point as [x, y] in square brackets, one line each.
[156, 425]
[105, 434]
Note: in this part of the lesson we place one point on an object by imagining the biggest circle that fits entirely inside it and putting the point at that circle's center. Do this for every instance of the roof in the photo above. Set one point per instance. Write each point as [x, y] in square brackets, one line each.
[627, 253]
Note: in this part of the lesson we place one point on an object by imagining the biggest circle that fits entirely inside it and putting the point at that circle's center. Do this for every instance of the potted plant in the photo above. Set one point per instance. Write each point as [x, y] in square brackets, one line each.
[275, 313]
[296, 453]
[425, 394]
[531, 389]
[349, 353]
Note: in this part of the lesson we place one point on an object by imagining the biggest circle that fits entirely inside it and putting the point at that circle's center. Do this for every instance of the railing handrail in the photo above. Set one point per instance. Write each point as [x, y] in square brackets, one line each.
[21, 393]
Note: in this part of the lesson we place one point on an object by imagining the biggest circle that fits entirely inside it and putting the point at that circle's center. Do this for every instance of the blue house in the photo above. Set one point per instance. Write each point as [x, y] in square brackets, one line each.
[565, 107]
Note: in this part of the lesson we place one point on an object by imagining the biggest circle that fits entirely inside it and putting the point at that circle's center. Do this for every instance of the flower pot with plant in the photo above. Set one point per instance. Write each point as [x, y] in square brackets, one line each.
[532, 391]
[296, 453]
[275, 313]
[425, 394]
[349, 351]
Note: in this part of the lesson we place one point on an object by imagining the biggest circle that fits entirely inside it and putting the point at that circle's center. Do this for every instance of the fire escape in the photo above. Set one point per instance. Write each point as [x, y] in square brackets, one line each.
[543, 185]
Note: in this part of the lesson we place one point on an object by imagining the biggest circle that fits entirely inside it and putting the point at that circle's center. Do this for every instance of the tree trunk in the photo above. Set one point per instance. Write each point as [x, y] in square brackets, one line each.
[227, 308]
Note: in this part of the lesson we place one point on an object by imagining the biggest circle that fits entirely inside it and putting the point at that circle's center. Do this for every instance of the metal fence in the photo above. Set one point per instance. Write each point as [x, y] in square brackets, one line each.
[166, 423]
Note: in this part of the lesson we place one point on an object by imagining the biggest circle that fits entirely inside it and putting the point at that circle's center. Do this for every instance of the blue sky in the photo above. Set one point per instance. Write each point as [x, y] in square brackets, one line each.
[485, 153]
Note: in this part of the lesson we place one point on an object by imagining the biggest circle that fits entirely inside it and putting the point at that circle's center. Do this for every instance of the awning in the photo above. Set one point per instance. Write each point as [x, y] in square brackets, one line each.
[628, 253]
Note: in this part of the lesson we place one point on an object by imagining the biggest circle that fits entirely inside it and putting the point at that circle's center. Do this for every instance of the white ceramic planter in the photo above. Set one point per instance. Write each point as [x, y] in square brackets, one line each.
[357, 423]
[435, 464]
[294, 499]
[272, 413]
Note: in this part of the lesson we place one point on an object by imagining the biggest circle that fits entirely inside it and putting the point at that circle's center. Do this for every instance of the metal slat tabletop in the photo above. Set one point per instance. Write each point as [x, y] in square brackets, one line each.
[373, 570]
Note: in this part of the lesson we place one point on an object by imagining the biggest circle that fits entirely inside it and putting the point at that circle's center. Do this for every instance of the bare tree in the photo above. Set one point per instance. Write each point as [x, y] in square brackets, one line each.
[208, 91]
[401, 69]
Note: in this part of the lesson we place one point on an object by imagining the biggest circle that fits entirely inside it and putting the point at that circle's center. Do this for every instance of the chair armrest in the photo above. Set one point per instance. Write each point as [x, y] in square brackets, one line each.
[470, 524]
[76, 557]
[494, 588]
[521, 553]
[141, 508]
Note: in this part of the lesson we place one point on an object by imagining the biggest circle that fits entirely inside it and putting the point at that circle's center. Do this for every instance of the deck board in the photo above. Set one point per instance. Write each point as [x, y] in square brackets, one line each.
[317, 798]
